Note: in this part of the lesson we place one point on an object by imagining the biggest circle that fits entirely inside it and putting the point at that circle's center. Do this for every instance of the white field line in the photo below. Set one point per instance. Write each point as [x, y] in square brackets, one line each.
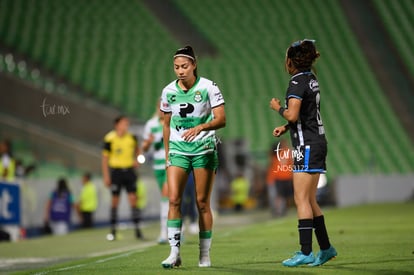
[126, 254]
[10, 262]
[121, 249]
[5, 263]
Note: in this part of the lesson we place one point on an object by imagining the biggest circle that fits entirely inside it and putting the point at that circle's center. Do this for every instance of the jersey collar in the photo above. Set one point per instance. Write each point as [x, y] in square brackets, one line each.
[301, 73]
[191, 89]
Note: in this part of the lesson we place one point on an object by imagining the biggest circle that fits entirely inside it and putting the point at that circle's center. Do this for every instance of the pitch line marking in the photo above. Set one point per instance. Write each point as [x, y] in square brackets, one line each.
[95, 262]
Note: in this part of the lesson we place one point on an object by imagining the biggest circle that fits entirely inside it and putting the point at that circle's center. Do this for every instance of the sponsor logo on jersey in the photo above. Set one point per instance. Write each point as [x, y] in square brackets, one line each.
[314, 85]
[198, 97]
[171, 98]
[219, 96]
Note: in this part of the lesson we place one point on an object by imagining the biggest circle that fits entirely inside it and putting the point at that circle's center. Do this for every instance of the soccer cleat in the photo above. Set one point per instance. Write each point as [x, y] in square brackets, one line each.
[171, 261]
[204, 261]
[299, 259]
[324, 256]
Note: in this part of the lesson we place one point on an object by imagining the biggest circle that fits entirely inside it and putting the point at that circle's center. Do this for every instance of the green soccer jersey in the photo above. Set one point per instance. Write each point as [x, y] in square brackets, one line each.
[189, 109]
[153, 127]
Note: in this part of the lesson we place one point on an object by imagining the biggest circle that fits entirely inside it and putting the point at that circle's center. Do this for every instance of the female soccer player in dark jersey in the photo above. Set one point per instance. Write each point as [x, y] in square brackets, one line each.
[302, 111]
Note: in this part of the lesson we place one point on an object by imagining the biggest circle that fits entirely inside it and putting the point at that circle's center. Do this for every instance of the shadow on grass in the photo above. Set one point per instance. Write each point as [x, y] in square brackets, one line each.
[332, 267]
[369, 266]
[273, 267]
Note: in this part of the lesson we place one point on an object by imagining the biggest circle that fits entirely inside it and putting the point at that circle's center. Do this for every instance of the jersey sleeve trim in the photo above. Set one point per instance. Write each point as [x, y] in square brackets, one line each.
[106, 148]
[218, 105]
[295, 96]
[167, 108]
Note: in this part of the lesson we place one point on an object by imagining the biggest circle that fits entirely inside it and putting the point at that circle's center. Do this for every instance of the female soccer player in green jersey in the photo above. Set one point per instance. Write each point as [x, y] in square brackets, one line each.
[153, 137]
[193, 109]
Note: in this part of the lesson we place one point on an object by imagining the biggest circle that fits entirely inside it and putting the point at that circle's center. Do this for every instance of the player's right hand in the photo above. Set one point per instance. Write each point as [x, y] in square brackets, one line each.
[278, 131]
[275, 104]
[167, 163]
[151, 138]
[107, 182]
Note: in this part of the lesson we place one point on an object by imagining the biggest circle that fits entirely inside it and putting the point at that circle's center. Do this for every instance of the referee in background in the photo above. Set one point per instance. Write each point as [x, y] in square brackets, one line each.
[119, 158]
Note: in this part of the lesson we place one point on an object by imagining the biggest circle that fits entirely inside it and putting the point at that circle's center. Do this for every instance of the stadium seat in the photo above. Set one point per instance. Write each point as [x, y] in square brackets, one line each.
[398, 19]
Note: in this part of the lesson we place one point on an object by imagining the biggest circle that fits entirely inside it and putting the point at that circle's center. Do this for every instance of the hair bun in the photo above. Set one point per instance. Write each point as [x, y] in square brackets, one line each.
[303, 53]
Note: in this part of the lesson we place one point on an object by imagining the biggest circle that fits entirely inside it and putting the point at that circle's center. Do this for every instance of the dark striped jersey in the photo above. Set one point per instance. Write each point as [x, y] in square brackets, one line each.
[308, 129]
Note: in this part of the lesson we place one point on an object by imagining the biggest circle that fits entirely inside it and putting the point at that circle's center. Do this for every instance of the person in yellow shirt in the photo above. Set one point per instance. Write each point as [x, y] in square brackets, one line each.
[142, 199]
[7, 164]
[240, 192]
[88, 201]
[119, 160]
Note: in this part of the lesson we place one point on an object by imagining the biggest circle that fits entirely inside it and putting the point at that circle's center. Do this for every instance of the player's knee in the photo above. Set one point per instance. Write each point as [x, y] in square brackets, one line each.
[115, 201]
[203, 206]
[132, 199]
[175, 203]
[301, 200]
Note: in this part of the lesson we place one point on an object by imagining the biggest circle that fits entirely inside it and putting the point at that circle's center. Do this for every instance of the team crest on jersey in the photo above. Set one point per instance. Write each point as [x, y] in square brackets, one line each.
[314, 85]
[198, 97]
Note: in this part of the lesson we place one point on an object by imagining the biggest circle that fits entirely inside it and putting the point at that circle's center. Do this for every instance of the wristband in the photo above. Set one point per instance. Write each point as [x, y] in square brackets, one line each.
[281, 110]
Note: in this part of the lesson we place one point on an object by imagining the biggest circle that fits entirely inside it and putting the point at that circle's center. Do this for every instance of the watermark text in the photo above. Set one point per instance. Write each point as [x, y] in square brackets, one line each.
[53, 109]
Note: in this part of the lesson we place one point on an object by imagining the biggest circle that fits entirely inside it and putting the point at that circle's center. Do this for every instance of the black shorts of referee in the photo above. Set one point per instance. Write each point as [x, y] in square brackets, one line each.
[123, 178]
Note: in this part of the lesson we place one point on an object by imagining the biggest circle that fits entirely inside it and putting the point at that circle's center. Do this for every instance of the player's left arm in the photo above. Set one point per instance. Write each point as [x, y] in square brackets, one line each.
[146, 144]
[148, 138]
[291, 114]
[219, 121]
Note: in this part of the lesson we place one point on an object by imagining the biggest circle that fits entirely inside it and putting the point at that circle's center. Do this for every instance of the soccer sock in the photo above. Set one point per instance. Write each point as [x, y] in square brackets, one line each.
[205, 243]
[174, 235]
[136, 216]
[321, 232]
[164, 217]
[305, 228]
[114, 218]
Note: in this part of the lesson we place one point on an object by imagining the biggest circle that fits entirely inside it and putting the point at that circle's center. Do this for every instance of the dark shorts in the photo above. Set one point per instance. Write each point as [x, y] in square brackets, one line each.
[123, 178]
[310, 158]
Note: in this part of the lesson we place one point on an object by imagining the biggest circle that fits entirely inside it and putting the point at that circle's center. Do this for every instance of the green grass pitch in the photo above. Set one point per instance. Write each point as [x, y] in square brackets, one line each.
[371, 239]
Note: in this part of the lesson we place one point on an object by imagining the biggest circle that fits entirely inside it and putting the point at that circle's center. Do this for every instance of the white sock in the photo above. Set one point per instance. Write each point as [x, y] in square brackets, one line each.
[174, 236]
[205, 245]
[163, 218]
